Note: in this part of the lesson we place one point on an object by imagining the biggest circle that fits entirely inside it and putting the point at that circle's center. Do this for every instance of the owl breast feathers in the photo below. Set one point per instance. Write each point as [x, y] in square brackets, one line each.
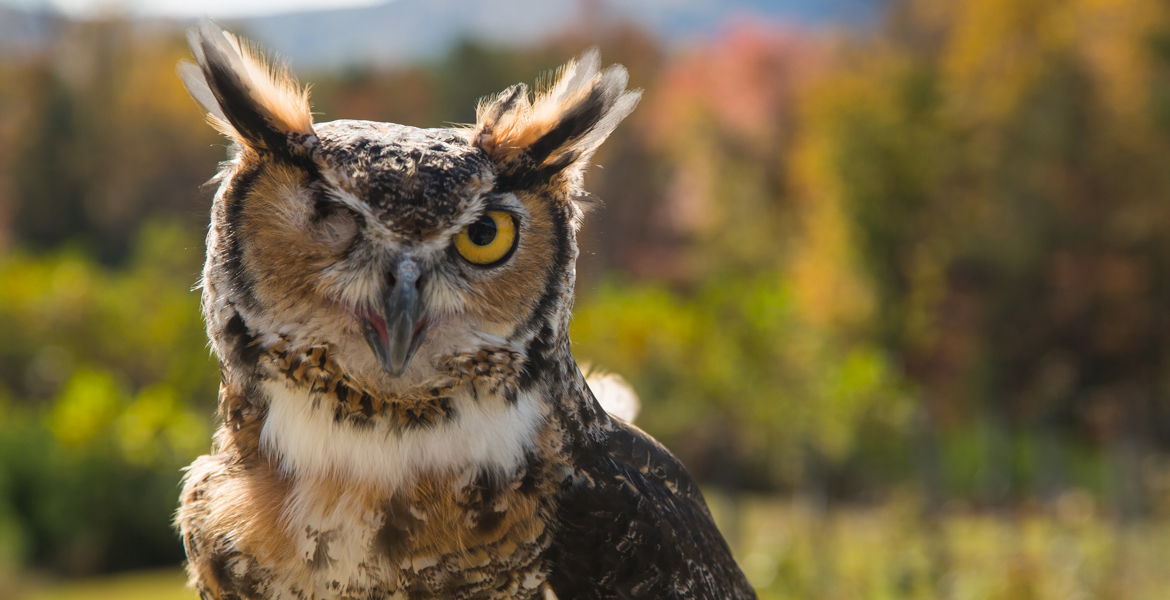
[401, 413]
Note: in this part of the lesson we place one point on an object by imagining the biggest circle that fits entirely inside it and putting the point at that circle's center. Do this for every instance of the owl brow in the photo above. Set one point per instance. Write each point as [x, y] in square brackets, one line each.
[355, 204]
[505, 202]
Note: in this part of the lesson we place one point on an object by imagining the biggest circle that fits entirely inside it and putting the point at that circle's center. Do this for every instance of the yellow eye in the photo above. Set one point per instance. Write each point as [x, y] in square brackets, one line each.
[488, 240]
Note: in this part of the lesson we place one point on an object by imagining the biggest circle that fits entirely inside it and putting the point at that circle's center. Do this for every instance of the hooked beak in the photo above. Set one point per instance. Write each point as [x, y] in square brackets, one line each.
[395, 329]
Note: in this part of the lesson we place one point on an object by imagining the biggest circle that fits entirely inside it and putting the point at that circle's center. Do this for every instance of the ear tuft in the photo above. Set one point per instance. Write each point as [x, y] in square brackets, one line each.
[558, 133]
[249, 99]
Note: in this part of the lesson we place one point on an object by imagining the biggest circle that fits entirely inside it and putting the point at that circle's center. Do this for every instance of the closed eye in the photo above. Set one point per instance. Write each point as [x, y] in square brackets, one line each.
[334, 219]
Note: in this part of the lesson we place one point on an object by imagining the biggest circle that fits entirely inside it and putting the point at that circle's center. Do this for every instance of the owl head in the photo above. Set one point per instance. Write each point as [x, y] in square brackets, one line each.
[392, 245]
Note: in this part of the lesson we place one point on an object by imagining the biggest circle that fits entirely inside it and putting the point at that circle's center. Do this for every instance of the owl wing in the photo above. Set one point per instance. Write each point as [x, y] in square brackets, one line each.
[633, 524]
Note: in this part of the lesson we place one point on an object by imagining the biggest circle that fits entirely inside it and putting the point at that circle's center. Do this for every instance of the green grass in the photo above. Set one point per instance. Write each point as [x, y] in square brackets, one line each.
[789, 550]
[1069, 552]
[149, 585]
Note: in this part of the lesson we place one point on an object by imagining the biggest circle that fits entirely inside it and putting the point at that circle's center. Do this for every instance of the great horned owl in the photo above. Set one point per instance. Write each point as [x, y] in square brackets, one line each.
[402, 415]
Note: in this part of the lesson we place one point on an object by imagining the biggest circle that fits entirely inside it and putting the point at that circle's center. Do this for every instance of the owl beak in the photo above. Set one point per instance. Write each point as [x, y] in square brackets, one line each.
[395, 334]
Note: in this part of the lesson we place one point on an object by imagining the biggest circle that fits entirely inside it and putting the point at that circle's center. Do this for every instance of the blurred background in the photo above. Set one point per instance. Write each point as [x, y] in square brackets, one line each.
[890, 276]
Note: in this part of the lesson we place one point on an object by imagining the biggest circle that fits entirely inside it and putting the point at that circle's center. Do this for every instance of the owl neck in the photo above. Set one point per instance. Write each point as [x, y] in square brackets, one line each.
[551, 373]
[298, 407]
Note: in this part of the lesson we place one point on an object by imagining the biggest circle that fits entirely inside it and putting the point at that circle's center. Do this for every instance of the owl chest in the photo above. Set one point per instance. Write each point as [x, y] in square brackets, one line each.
[259, 533]
[442, 539]
[460, 509]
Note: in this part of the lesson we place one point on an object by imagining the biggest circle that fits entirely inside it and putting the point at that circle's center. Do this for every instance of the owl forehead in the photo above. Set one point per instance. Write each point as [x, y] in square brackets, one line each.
[415, 181]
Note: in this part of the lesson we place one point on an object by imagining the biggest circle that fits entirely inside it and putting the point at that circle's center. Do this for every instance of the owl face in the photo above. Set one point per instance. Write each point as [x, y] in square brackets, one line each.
[396, 246]
[395, 239]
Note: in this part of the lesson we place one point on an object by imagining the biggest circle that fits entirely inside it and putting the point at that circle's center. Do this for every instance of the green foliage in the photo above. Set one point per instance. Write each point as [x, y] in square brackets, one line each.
[930, 257]
[731, 368]
[109, 390]
[791, 551]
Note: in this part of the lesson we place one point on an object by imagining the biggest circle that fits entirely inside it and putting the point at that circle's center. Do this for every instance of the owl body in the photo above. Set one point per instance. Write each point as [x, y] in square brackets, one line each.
[401, 413]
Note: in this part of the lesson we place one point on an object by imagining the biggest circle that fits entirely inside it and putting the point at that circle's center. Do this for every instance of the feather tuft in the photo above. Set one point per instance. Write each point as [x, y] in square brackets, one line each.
[248, 97]
[561, 129]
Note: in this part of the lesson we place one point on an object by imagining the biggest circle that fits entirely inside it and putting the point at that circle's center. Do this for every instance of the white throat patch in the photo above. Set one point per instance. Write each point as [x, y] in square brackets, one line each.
[488, 433]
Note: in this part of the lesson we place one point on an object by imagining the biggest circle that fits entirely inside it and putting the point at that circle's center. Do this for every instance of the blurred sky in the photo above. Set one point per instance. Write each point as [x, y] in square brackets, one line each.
[316, 34]
[185, 8]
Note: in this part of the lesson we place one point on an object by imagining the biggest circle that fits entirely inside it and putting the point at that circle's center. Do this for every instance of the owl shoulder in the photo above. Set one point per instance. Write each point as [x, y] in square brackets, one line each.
[632, 523]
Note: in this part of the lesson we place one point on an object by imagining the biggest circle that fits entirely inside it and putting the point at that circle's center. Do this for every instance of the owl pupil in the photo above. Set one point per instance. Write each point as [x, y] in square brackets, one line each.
[483, 231]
